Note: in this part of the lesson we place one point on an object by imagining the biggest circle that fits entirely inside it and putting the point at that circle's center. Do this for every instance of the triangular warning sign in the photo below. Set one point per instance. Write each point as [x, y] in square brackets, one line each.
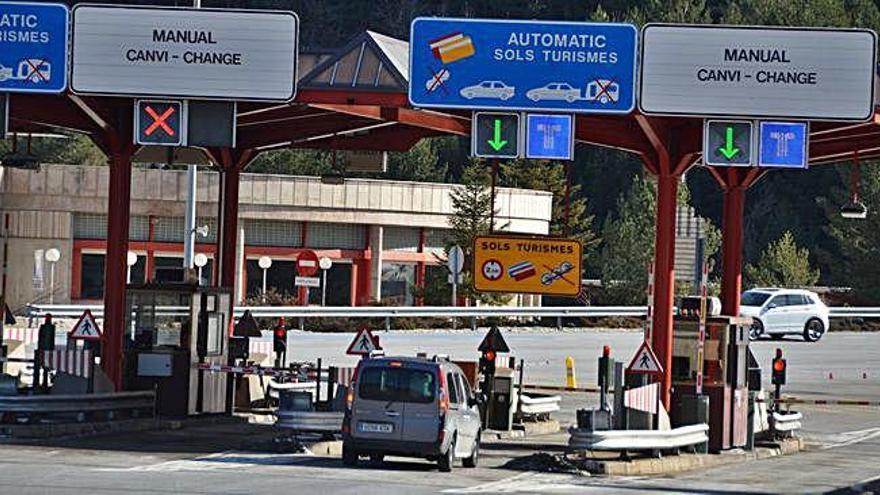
[85, 328]
[363, 344]
[645, 361]
[8, 317]
[493, 341]
[246, 326]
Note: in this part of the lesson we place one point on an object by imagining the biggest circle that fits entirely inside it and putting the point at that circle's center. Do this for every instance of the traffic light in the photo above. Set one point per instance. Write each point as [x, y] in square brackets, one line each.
[280, 338]
[160, 122]
[46, 335]
[487, 363]
[779, 365]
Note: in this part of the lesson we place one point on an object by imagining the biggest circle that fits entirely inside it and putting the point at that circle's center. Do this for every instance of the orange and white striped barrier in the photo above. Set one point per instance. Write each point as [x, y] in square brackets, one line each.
[26, 335]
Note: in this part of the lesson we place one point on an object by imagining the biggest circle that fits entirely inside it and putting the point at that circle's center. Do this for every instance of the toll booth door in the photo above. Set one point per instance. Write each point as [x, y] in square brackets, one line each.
[211, 315]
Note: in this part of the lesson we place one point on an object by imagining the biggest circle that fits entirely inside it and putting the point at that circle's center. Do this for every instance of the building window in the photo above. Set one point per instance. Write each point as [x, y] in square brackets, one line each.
[436, 240]
[401, 239]
[398, 280]
[168, 269]
[138, 271]
[338, 286]
[94, 226]
[336, 236]
[279, 277]
[168, 229]
[272, 233]
[91, 280]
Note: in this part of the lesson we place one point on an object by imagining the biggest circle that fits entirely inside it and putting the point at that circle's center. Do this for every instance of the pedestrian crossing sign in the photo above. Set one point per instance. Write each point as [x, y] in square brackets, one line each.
[86, 328]
[363, 344]
[645, 361]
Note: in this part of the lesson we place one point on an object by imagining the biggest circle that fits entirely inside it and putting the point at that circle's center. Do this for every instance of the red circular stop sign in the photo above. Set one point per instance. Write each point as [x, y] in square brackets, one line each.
[307, 264]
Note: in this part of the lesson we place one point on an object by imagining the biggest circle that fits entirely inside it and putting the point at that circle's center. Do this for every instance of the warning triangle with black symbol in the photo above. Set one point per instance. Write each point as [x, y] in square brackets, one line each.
[645, 361]
[85, 328]
[493, 341]
[363, 344]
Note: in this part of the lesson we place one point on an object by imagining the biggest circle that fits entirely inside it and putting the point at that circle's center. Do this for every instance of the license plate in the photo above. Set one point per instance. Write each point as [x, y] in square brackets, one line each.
[375, 427]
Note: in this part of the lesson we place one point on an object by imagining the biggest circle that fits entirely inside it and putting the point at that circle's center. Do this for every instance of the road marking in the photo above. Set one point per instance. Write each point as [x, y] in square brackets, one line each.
[532, 482]
[228, 460]
[843, 439]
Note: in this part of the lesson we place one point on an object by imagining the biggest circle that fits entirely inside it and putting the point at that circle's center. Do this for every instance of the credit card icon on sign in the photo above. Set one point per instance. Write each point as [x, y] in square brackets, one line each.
[452, 47]
[521, 270]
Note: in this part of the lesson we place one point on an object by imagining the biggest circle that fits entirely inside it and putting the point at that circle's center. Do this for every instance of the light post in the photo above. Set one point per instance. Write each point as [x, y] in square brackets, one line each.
[324, 263]
[52, 256]
[130, 260]
[200, 260]
[265, 262]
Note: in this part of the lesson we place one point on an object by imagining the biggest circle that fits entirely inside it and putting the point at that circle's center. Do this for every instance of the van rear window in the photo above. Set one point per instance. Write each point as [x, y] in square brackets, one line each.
[396, 385]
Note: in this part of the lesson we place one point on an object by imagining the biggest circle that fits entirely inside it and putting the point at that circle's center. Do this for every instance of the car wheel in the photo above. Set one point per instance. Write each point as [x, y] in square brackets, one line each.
[756, 330]
[469, 95]
[444, 464]
[532, 97]
[471, 462]
[349, 456]
[377, 458]
[506, 96]
[813, 330]
[569, 98]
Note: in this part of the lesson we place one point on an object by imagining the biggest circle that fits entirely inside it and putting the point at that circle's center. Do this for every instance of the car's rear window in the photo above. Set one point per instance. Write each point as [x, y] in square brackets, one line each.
[753, 298]
[396, 385]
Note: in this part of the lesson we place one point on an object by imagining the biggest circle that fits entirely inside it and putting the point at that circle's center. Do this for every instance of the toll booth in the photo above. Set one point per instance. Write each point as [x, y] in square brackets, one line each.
[170, 330]
[503, 399]
[725, 381]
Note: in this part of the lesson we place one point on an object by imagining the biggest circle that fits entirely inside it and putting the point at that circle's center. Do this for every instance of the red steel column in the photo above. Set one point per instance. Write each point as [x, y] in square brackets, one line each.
[732, 246]
[118, 206]
[664, 277]
[229, 234]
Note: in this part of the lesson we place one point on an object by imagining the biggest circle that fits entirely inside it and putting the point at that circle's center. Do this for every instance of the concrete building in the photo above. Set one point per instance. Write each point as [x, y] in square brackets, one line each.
[383, 236]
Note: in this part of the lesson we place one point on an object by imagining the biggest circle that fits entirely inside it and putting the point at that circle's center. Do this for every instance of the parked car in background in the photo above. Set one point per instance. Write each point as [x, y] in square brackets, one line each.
[779, 312]
[411, 407]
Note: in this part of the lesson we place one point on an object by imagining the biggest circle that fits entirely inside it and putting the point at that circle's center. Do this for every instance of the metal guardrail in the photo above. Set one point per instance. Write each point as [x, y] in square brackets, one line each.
[310, 421]
[633, 440]
[75, 310]
[536, 404]
[785, 423]
[80, 403]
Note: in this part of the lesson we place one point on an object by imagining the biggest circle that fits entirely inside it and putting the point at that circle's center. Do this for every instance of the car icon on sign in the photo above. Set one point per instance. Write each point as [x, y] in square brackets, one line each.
[488, 89]
[555, 91]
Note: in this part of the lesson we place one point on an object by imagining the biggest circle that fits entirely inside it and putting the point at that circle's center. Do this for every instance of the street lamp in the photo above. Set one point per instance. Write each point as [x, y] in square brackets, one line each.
[130, 260]
[52, 256]
[200, 260]
[324, 263]
[265, 262]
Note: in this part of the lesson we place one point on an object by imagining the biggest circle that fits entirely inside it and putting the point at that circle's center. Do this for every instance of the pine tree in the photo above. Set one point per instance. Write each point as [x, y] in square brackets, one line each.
[783, 264]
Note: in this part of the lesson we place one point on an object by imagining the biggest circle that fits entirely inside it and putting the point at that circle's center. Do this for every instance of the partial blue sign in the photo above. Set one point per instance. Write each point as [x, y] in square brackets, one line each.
[33, 47]
[549, 137]
[522, 65]
[783, 145]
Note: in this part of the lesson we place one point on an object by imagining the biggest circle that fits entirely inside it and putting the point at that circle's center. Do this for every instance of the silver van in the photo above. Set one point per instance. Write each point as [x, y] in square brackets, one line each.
[411, 407]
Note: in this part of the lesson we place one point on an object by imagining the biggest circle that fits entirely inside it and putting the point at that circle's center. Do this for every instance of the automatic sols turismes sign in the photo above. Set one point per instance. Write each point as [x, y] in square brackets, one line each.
[184, 53]
[533, 265]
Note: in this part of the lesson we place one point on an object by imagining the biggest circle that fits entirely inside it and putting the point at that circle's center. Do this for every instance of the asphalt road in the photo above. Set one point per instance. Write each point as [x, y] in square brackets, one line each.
[843, 443]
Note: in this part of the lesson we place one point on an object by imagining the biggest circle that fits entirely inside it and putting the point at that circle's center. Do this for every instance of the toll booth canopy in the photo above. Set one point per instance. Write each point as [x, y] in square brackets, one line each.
[170, 330]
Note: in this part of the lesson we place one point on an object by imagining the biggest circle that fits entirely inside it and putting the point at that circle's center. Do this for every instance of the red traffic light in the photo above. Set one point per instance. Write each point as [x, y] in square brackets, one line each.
[606, 351]
[490, 355]
[281, 332]
[779, 365]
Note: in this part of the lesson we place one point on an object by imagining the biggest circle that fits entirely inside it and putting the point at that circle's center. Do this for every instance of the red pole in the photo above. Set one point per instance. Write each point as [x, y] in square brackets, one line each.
[731, 262]
[232, 176]
[664, 279]
[115, 263]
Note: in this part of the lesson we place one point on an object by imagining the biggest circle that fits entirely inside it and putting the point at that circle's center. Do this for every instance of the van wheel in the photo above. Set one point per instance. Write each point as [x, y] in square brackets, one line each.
[471, 462]
[813, 330]
[444, 464]
[349, 456]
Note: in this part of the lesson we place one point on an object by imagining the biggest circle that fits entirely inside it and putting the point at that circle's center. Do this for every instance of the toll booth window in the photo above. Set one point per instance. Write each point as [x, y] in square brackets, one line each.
[215, 338]
[92, 276]
[157, 320]
[396, 385]
[398, 280]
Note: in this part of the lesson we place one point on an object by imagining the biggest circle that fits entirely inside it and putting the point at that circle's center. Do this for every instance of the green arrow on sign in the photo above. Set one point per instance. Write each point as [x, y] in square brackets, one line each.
[729, 150]
[496, 142]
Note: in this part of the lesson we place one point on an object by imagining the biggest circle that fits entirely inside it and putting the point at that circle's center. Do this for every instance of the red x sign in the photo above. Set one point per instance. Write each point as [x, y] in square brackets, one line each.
[159, 121]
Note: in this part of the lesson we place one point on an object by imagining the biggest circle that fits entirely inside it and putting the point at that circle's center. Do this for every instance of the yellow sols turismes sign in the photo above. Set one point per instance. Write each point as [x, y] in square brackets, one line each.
[534, 265]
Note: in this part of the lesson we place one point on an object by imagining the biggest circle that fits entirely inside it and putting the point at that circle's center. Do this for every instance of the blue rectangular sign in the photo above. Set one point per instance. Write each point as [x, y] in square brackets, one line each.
[783, 145]
[33, 47]
[549, 137]
[522, 65]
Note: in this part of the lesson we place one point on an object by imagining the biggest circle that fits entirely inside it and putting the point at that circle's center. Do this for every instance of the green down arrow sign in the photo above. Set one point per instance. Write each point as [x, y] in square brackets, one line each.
[496, 142]
[729, 150]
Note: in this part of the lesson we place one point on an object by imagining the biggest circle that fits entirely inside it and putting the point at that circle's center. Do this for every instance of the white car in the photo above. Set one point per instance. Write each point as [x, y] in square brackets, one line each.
[488, 89]
[555, 91]
[780, 312]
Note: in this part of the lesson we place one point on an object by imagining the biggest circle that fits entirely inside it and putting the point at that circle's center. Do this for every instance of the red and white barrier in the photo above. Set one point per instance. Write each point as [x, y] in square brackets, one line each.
[26, 335]
[643, 398]
[344, 376]
[261, 347]
[77, 362]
